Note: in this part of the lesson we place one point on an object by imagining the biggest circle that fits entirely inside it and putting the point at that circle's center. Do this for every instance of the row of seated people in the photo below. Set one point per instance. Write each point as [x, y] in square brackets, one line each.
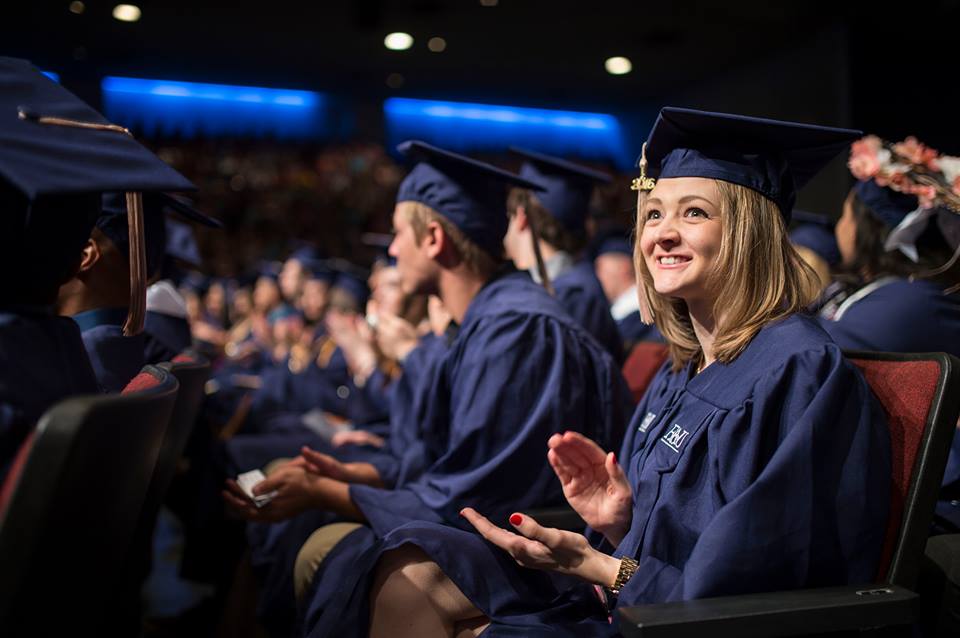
[510, 370]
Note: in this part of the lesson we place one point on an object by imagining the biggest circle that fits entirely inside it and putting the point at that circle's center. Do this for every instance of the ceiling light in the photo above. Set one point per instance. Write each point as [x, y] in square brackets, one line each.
[437, 44]
[398, 41]
[618, 66]
[126, 12]
[77, 7]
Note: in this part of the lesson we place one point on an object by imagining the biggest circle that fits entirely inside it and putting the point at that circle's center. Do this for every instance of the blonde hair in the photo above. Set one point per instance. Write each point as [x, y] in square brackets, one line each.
[758, 278]
[419, 216]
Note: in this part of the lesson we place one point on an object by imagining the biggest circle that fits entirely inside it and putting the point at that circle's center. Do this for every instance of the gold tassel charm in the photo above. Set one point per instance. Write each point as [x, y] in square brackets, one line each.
[643, 183]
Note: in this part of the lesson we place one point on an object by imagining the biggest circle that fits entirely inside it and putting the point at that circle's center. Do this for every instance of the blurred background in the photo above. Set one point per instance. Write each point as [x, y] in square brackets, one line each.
[286, 114]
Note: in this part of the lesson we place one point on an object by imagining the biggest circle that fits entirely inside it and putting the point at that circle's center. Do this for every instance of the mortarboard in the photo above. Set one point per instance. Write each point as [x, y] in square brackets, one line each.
[53, 143]
[886, 204]
[567, 187]
[611, 241]
[181, 243]
[774, 158]
[816, 233]
[470, 194]
[113, 223]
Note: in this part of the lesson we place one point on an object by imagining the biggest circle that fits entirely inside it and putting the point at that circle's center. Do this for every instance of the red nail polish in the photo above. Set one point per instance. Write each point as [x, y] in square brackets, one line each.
[515, 519]
[614, 458]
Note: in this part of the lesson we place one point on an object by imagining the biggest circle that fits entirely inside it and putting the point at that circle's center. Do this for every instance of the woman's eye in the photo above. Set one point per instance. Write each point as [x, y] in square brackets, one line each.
[653, 214]
[696, 212]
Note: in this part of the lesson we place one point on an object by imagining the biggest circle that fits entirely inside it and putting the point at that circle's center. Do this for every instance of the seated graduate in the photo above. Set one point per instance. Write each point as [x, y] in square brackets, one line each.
[99, 296]
[547, 234]
[900, 240]
[519, 370]
[758, 460]
[51, 178]
[613, 263]
[815, 240]
[165, 326]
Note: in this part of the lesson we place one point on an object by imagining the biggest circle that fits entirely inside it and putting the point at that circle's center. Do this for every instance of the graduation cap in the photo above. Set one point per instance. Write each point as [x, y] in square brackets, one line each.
[567, 187]
[470, 194]
[305, 253]
[113, 223]
[611, 241]
[888, 205]
[319, 270]
[53, 143]
[815, 232]
[772, 157]
[181, 243]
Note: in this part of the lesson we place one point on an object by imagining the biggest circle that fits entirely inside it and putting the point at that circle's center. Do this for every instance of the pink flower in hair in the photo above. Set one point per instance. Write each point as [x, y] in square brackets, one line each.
[864, 165]
[917, 153]
[871, 145]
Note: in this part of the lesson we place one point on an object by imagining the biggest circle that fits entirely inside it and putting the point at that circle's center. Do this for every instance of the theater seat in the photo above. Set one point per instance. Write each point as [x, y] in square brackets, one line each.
[642, 365]
[191, 372]
[921, 396]
[71, 502]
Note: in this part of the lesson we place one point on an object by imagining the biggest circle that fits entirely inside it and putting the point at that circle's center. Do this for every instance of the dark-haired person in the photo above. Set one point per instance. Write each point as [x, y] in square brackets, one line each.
[51, 180]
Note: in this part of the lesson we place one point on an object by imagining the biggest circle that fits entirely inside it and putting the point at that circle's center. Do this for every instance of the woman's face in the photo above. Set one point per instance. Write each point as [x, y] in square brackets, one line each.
[846, 232]
[681, 236]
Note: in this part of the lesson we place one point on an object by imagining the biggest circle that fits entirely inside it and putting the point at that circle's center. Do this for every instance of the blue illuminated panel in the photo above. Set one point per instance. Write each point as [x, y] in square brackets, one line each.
[189, 109]
[461, 126]
[53, 76]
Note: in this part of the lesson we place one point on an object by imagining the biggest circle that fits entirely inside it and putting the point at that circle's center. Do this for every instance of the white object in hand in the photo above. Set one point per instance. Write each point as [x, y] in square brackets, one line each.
[249, 480]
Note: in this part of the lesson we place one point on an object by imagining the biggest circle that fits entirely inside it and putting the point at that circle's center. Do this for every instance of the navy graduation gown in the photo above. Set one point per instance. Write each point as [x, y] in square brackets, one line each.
[769, 473]
[42, 361]
[116, 359]
[274, 548]
[580, 293]
[518, 371]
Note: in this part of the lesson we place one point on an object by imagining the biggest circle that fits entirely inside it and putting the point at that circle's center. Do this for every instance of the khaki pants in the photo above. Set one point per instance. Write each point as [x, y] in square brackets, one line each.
[320, 543]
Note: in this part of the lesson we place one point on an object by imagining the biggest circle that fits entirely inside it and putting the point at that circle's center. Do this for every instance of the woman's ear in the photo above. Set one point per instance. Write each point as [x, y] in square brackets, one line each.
[520, 213]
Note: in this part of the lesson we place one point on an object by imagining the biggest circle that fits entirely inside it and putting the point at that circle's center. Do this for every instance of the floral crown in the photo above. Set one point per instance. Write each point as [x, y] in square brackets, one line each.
[908, 167]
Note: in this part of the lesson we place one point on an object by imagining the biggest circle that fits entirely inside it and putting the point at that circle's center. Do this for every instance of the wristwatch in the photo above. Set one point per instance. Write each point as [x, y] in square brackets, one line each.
[628, 567]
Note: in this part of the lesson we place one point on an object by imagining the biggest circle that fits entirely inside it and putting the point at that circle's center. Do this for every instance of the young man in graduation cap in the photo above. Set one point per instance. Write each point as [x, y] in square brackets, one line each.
[519, 370]
[547, 232]
[98, 296]
[57, 155]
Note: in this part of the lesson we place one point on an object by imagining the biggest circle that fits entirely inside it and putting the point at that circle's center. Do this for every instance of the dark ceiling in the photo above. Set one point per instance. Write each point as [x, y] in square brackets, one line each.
[899, 61]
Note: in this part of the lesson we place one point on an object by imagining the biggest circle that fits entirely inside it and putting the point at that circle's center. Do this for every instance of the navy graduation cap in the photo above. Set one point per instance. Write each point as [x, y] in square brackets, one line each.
[888, 205]
[181, 243]
[52, 143]
[469, 193]
[611, 241]
[113, 223]
[567, 187]
[772, 157]
[815, 232]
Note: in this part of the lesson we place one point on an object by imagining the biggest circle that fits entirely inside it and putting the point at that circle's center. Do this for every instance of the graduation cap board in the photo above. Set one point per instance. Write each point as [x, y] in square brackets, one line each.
[113, 223]
[567, 186]
[470, 194]
[53, 143]
[773, 157]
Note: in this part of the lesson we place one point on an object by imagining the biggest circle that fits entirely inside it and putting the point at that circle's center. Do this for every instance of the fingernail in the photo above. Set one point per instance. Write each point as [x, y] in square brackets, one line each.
[614, 458]
[515, 519]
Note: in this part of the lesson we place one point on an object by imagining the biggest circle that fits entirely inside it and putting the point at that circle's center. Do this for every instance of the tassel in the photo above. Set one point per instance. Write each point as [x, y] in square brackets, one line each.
[541, 265]
[138, 266]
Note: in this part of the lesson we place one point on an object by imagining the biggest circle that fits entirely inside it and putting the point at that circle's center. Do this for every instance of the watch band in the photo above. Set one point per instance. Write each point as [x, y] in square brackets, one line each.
[628, 567]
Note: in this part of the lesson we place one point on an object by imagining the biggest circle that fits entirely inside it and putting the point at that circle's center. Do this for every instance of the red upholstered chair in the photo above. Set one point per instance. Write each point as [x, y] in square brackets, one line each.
[642, 365]
[71, 502]
[921, 396]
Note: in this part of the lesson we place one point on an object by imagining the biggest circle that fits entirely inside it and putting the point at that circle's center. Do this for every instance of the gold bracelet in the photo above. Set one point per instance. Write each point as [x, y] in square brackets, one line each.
[628, 567]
